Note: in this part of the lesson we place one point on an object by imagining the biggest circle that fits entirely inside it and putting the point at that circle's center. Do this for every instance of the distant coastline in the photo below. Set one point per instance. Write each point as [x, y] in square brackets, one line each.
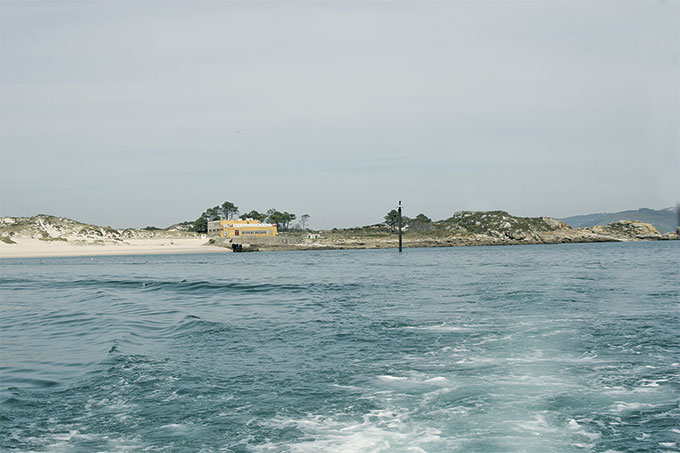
[664, 220]
[51, 236]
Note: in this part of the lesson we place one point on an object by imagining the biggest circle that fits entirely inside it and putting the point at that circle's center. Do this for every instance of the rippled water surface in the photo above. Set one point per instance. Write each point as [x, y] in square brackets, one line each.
[523, 348]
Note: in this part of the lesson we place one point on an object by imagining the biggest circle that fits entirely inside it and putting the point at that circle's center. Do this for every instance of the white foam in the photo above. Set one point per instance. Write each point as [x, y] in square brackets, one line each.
[652, 382]
[619, 390]
[378, 430]
[436, 380]
[429, 397]
[67, 436]
[537, 426]
[346, 387]
[475, 360]
[667, 444]
[622, 406]
[439, 328]
[64, 442]
[173, 426]
[589, 435]
[388, 378]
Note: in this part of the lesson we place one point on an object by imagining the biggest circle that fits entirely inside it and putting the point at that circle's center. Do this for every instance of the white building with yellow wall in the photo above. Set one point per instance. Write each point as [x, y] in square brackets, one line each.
[241, 228]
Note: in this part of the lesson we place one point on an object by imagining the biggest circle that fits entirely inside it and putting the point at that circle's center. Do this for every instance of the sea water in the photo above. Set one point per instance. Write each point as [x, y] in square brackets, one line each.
[572, 347]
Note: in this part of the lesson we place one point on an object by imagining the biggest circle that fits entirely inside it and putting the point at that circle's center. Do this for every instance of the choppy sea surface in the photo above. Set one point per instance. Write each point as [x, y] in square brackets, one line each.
[561, 348]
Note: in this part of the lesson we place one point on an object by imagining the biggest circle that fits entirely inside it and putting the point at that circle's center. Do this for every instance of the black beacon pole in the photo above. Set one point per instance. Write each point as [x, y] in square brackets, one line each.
[400, 226]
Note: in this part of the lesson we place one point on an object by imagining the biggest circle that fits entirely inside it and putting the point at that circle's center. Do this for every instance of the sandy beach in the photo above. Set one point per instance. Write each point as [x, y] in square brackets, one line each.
[34, 248]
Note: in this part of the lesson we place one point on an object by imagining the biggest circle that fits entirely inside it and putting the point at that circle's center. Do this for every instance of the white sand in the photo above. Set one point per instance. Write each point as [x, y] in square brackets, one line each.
[28, 248]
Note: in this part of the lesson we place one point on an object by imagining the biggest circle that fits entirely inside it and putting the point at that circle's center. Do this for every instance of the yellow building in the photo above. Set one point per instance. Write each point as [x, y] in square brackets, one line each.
[241, 228]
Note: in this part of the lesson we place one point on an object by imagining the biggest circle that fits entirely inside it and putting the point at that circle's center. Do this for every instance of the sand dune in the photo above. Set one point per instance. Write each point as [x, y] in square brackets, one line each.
[27, 248]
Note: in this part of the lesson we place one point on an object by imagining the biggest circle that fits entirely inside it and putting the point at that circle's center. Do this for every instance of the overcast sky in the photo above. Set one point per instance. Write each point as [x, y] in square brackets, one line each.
[147, 112]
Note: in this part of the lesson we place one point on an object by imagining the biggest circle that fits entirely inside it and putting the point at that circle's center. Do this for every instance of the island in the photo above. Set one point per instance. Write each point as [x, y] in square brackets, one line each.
[46, 235]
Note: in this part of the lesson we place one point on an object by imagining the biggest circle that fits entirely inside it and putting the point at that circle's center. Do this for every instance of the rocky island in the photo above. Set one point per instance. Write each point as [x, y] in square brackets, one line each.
[45, 235]
[464, 228]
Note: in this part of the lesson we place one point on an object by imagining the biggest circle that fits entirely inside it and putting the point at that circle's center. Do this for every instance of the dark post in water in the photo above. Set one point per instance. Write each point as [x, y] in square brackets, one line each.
[399, 225]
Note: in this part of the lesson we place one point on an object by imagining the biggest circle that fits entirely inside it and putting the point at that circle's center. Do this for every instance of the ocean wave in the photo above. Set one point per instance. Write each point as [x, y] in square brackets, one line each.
[203, 287]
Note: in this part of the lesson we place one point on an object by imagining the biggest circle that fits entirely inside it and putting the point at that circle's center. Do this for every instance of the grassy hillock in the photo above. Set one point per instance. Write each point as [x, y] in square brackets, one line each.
[497, 223]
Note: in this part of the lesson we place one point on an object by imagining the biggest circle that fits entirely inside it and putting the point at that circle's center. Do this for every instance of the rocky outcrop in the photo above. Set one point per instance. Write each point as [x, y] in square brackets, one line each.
[628, 229]
[489, 228]
[495, 222]
[499, 227]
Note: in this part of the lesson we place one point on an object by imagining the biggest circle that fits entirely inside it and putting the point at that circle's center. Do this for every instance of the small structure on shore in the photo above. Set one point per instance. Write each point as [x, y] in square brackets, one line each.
[241, 227]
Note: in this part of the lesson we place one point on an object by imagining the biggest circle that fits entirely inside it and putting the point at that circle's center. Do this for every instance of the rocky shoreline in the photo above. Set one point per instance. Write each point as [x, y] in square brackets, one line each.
[57, 236]
[464, 229]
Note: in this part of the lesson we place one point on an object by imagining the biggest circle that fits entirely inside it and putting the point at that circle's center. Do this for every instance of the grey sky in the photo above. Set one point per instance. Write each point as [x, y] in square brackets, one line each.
[146, 113]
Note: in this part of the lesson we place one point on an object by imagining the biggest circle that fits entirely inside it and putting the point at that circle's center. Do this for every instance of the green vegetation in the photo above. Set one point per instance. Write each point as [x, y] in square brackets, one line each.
[209, 215]
[57, 239]
[254, 215]
[498, 224]
[392, 219]
[482, 222]
[90, 231]
[367, 232]
[304, 220]
[186, 225]
[7, 240]
[628, 228]
[201, 225]
[229, 210]
[281, 219]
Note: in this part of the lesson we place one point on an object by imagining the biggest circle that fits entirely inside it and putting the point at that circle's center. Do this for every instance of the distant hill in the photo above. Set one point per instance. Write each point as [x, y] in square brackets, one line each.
[665, 220]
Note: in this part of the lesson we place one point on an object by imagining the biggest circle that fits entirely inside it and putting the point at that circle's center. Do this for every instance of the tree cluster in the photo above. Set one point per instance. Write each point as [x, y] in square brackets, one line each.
[281, 219]
[392, 220]
[226, 210]
[229, 211]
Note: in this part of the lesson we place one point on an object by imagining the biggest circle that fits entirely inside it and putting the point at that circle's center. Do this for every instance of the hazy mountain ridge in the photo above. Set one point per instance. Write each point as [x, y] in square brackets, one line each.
[664, 220]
